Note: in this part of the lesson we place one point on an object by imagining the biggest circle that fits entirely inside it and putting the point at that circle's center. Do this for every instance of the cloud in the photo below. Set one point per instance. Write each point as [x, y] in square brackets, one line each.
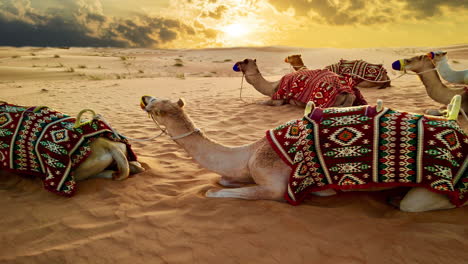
[429, 8]
[217, 13]
[82, 23]
[343, 12]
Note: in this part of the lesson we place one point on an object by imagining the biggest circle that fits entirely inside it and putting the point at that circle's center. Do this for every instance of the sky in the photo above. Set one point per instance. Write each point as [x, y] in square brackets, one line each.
[233, 23]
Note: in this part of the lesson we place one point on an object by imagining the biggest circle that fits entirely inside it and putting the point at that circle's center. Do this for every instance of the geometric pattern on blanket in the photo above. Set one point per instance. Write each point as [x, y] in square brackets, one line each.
[44, 143]
[358, 147]
[358, 70]
[320, 86]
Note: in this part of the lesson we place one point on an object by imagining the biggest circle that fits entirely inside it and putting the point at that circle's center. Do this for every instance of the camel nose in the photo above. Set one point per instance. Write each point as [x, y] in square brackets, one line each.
[286, 60]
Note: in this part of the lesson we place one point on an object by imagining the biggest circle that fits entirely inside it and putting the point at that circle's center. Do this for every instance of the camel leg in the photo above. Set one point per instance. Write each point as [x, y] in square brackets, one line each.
[106, 174]
[119, 157]
[420, 199]
[258, 192]
[344, 100]
[103, 153]
[228, 182]
[436, 112]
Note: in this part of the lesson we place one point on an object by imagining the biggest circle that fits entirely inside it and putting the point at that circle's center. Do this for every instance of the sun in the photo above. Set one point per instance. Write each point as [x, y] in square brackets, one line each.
[236, 30]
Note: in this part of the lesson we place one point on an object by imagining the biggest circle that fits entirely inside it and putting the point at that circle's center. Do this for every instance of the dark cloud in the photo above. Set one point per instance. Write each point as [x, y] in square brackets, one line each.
[95, 17]
[429, 8]
[356, 11]
[217, 13]
[21, 25]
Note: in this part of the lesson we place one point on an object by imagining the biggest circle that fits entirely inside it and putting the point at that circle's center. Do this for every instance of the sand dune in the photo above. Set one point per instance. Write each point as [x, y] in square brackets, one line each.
[161, 215]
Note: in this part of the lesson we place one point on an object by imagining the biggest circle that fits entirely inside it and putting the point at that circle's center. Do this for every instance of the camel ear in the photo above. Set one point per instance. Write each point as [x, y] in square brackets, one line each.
[181, 102]
[255, 60]
[300, 55]
[444, 53]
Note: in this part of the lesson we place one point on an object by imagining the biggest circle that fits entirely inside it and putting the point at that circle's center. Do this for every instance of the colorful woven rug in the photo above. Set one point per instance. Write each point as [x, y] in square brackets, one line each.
[358, 147]
[320, 86]
[358, 70]
[43, 142]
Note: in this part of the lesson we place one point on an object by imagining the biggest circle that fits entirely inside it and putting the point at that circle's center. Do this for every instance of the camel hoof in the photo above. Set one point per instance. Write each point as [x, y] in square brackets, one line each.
[115, 176]
[135, 167]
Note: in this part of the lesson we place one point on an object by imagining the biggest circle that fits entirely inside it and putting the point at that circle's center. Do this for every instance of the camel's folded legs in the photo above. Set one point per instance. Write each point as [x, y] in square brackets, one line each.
[258, 192]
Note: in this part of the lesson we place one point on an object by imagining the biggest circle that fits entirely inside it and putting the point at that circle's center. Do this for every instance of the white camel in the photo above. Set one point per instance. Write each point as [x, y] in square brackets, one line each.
[103, 155]
[255, 163]
[444, 69]
[253, 76]
[439, 92]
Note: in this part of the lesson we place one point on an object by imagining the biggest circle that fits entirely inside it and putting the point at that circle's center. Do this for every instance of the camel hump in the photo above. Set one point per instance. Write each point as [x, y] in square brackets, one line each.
[454, 107]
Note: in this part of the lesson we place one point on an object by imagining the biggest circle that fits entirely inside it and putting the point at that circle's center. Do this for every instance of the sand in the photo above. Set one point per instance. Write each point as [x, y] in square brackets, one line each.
[161, 215]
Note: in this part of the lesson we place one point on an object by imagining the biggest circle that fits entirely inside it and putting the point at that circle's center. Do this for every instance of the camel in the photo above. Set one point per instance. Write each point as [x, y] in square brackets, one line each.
[66, 152]
[450, 75]
[256, 171]
[253, 76]
[297, 63]
[424, 67]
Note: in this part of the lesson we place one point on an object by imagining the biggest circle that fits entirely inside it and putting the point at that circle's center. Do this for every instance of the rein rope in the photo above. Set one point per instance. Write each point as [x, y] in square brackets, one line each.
[242, 86]
[100, 117]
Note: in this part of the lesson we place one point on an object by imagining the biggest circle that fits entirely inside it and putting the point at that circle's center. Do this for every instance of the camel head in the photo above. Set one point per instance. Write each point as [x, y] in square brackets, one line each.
[247, 66]
[437, 56]
[415, 64]
[294, 60]
[162, 110]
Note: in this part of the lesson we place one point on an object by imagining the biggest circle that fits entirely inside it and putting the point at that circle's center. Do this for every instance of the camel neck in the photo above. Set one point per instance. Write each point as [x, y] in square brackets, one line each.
[435, 88]
[209, 154]
[261, 84]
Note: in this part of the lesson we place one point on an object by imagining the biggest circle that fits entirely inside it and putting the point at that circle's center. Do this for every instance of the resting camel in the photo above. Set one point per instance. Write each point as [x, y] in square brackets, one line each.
[257, 171]
[321, 86]
[450, 75]
[424, 67]
[39, 141]
[384, 82]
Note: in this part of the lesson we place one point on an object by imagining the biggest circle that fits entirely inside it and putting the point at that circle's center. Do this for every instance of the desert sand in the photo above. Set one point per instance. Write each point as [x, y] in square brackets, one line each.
[161, 215]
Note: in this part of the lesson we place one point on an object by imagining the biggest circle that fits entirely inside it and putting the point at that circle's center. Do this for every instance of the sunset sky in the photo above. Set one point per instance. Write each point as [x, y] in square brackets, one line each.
[228, 23]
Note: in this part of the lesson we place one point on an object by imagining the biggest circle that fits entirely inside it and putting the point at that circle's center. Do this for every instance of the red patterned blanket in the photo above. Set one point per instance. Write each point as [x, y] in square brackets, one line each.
[358, 70]
[358, 147]
[43, 142]
[320, 86]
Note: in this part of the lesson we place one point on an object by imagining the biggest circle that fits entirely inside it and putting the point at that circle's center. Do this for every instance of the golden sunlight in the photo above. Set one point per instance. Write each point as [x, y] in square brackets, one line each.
[235, 30]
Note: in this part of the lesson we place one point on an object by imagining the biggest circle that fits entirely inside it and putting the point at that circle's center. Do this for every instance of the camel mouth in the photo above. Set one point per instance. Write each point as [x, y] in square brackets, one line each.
[236, 67]
[430, 55]
[145, 101]
[286, 60]
[398, 65]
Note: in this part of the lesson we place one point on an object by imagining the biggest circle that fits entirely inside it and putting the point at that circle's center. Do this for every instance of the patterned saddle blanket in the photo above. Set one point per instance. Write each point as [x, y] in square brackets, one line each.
[43, 142]
[358, 70]
[320, 86]
[359, 148]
